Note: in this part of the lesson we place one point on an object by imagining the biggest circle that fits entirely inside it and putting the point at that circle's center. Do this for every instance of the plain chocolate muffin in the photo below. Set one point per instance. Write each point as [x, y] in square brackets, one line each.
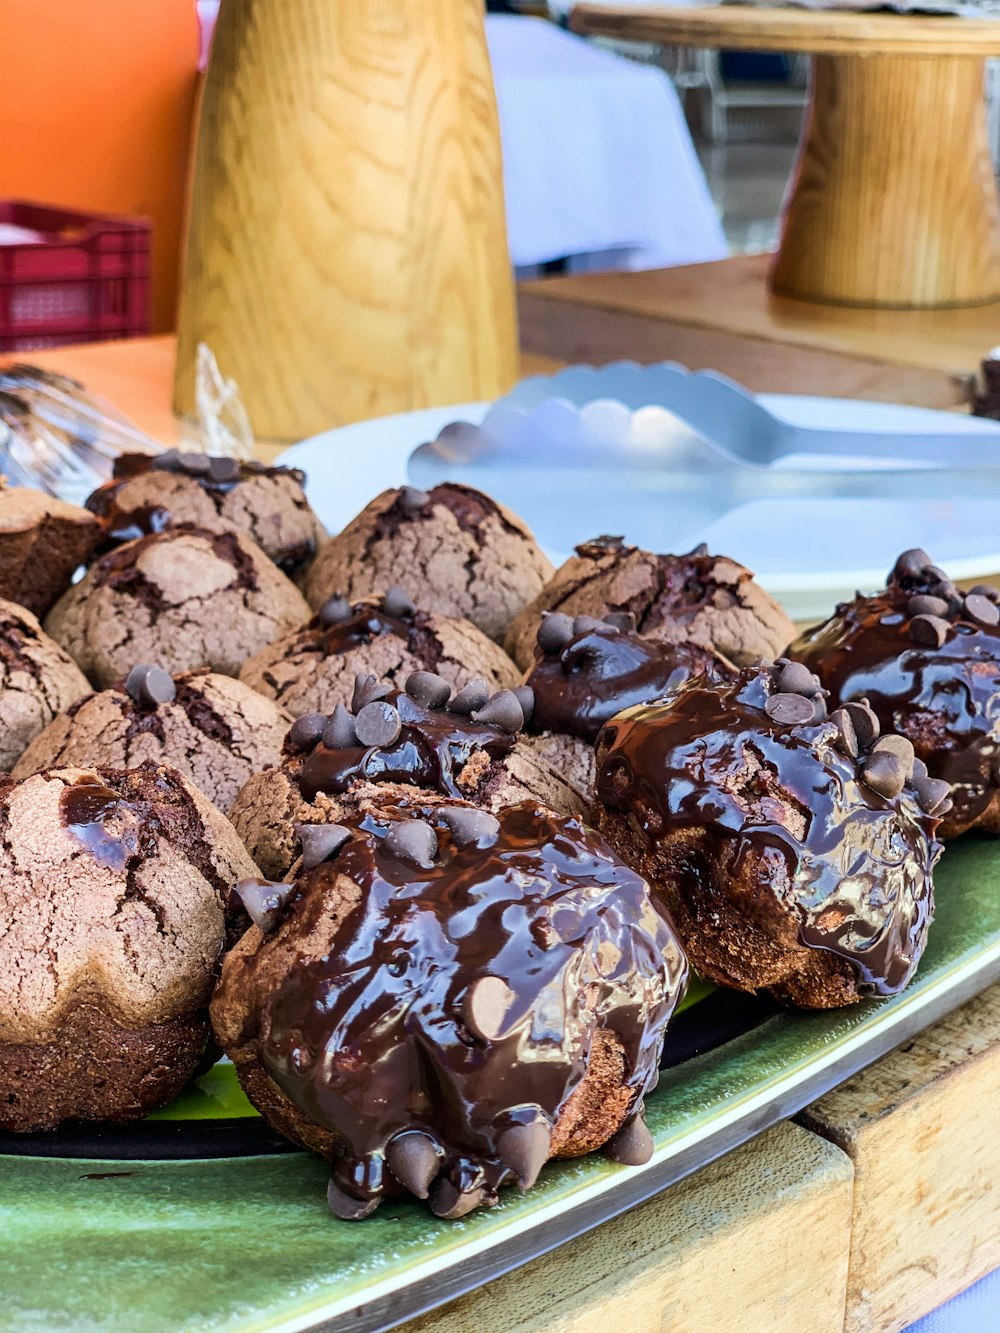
[379, 1013]
[183, 598]
[37, 681]
[464, 554]
[112, 893]
[43, 541]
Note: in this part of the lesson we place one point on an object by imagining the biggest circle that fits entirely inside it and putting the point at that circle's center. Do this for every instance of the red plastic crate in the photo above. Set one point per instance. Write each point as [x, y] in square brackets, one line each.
[86, 281]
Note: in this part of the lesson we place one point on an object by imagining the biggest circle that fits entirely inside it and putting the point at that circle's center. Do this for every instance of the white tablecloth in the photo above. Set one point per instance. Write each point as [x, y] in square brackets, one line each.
[597, 154]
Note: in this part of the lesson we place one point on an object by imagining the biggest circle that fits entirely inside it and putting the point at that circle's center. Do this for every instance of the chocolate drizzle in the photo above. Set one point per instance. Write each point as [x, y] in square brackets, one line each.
[852, 866]
[454, 1013]
[938, 684]
[364, 621]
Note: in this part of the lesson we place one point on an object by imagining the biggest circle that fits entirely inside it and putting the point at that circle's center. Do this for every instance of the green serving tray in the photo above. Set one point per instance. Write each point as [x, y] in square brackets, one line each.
[156, 1228]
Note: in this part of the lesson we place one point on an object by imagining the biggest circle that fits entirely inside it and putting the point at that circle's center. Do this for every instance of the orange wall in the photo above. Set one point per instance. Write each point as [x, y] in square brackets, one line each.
[96, 105]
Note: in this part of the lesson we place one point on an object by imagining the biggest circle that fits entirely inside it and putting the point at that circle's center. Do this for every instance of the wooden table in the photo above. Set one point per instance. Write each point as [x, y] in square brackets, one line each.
[893, 201]
[872, 1209]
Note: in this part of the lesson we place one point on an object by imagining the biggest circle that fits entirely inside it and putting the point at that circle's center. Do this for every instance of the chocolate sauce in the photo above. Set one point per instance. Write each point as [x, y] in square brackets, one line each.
[433, 747]
[367, 623]
[378, 1036]
[602, 672]
[856, 866]
[945, 699]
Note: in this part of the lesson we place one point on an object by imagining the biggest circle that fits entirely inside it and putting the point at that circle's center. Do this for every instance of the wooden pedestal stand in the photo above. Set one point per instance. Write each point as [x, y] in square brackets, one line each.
[893, 201]
[347, 252]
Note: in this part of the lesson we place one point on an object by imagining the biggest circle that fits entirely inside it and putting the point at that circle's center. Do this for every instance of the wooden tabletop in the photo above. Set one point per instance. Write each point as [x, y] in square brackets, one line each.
[818, 32]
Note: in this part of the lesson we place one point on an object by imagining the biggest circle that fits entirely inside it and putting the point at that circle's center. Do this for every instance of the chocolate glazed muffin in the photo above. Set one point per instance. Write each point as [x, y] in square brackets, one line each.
[314, 669]
[37, 681]
[148, 492]
[469, 556]
[697, 598]
[444, 999]
[184, 598]
[926, 657]
[793, 849]
[43, 541]
[466, 747]
[112, 895]
[587, 670]
[211, 728]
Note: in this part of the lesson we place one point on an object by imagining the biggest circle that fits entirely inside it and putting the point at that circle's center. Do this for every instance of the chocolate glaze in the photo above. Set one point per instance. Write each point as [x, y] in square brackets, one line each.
[946, 700]
[857, 866]
[603, 671]
[373, 1040]
[433, 747]
[368, 622]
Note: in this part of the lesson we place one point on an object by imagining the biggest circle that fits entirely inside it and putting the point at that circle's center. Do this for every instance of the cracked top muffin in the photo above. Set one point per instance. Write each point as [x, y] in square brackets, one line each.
[43, 541]
[926, 657]
[466, 745]
[698, 598]
[149, 491]
[444, 999]
[183, 598]
[468, 555]
[314, 669]
[794, 849]
[211, 728]
[112, 893]
[37, 681]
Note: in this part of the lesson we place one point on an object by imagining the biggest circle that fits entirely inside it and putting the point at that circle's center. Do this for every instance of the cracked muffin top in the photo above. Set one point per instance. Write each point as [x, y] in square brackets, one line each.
[211, 728]
[183, 598]
[37, 681]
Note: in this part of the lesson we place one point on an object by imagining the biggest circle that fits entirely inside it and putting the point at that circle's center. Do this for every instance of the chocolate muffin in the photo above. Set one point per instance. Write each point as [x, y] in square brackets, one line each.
[793, 849]
[43, 541]
[184, 598]
[211, 728]
[112, 893]
[698, 598]
[314, 669]
[469, 556]
[926, 657]
[37, 681]
[379, 1013]
[148, 492]
[466, 747]
[587, 670]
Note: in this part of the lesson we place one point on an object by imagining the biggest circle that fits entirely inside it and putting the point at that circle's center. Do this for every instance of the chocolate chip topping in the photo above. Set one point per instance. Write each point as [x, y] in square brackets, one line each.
[411, 501]
[334, 610]
[502, 710]
[429, 690]
[306, 732]
[398, 603]
[554, 632]
[525, 696]
[150, 685]
[982, 610]
[339, 732]
[263, 901]
[789, 709]
[368, 689]
[468, 825]
[929, 631]
[632, 1145]
[417, 1037]
[319, 842]
[378, 724]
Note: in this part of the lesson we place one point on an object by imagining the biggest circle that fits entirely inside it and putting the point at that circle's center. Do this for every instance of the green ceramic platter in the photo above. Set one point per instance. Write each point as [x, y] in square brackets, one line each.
[120, 1242]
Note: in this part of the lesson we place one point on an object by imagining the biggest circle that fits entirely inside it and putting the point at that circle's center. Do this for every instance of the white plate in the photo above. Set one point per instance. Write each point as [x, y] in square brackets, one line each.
[808, 555]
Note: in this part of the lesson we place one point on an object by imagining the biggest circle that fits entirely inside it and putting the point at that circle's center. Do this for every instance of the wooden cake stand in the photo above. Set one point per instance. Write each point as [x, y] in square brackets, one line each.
[893, 200]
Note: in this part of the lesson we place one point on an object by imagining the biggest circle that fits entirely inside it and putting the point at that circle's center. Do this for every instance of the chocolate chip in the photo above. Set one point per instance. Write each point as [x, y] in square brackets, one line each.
[411, 501]
[624, 621]
[319, 842]
[587, 624]
[946, 592]
[525, 1150]
[919, 769]
[378, 724]
[935, 574]
[525, 696]
[986, 590]
[555, 632]
[413, 840]
[982, 610]
[928, 631]
[934, 795]
[223, 470]
[911, 564]
[413, 1159]
[398, 603]
[346, 1206]
[897, 745]
[798, 679]
[789, 709]
[885, 773]
[307, 731]
[429, 690]
[340, 732]
[263, 901]
[449, 1202]
[819, 707]
[847, 738]
[334, 610]
[503, 711]
[368, 689]
[632, 1145]
[168, 461]
[150, 685]
[467, 825]
[485, 1007]
[866, 723]
[196, 465]
[470, 698]
[924, 605]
